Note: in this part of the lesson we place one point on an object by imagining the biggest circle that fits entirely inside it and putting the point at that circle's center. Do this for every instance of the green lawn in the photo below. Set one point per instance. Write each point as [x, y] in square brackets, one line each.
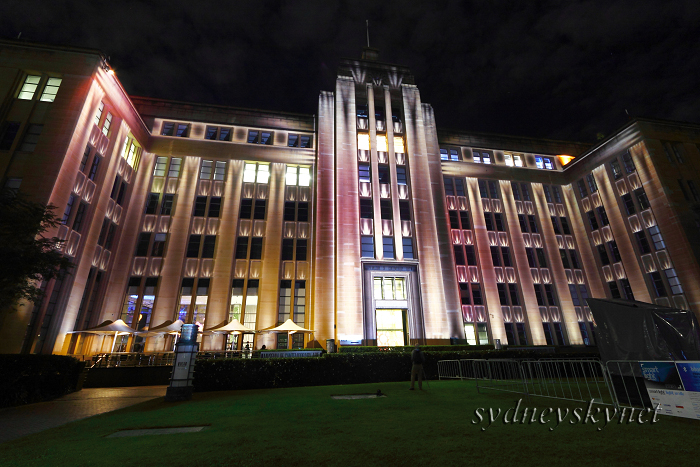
[304, 426]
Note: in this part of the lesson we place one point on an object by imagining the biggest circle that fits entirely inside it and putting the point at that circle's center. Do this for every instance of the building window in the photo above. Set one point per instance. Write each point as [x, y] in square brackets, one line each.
[365, 174]
[603, 215]
[182, 130]
[471, 255]
[209, 246]
[592, 185]
[505, 252]
[657, 238]
[574, 259]
[615, 166]
[408, 248]
[548, 163]
[565, 226]
[673, 281]
[214, 206]
[401, 176]
[582, 188]
[499, 222]
[143, 243]
[516, 190]
[557, 194]
[166, 207]
[495, 257]
[540, 257]
[366, 209]
[404, 210]
[367, 246]
[152, 203]
[592, 220]
[485, 158]
[193, 246]
[253, 136]
[555, 225]
[629, 204]
[256, 248]
[385, 208]
[293, 141]
[388, 247]
[693, 190]
[508, 159]
[614, 290]
[628, 162]
[205, 170]
[612, 246]
[242, 248]
[642, 242]
[159, 169]
[287, 249]
[259, 211]
[31, 137]
[249, 172]
[533, 223]
[604, 259]
[175, 165]
[69, 208]
[564, 259]
[159, 245]
[50, 90]
[642, 198]
[658, 284]
[79, 216]
[301, 249]
[488, 221]
[526, 192]
[167, 129]
[107, 124]
[627, 289]
[464, 219]
[29, 87]
[200, 206]
[263, 173]
[538, 162]
[547, 193]
[476, 156]
[8, 135]
[298, 175]
[383, 171]
[219, 171]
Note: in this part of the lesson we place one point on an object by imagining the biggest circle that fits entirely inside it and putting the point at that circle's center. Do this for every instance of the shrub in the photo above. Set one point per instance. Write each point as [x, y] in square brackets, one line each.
[35, 378]
[409, 348]
[331, 369]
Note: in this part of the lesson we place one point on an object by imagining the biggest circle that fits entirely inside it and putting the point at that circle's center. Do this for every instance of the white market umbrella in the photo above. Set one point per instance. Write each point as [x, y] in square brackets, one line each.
[290, 327]
[111, 328]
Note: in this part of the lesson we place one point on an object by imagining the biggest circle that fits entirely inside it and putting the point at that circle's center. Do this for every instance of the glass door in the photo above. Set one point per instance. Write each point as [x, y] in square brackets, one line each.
[391, 328]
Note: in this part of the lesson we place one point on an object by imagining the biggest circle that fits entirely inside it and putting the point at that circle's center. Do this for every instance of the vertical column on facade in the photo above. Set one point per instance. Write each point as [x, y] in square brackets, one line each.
[64, 317]
[374, 167]
[527, 287]
[270, 280]
[442, 227]
[618, 226]
[394, 188]
[219, 295]
[488, 274]
[556, 268]
[669, 223]
[171, 272]
[322, 319]
[431, 278]
[348, 284]
[578, 229]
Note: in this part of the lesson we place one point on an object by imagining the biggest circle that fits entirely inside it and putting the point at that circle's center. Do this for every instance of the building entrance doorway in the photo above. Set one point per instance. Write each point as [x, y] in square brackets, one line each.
[391, 327]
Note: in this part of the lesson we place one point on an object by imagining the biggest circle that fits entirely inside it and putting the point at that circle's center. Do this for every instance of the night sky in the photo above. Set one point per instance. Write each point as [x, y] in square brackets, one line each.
[565, 70]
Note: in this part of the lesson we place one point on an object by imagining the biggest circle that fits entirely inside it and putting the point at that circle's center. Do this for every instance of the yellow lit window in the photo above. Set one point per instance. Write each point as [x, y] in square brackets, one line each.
[29, 87]
[107, 124]
[50, 90]
[398, 145]
[518, 161]
[509, 160]
[291, 177]
[381, 143]
[363, 141]
[249, 173]
[263, 173]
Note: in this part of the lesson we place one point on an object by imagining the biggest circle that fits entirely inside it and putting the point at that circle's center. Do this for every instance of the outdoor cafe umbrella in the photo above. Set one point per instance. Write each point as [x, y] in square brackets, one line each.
[109, 328]
[234, 327]
[290, 327]
[167, 327]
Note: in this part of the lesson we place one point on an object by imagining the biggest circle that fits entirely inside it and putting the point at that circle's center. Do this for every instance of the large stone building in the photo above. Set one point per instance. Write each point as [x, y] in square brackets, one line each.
[364, 222]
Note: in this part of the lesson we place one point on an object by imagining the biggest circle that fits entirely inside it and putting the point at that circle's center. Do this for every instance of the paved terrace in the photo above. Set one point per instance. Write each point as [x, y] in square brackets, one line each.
[16, 422]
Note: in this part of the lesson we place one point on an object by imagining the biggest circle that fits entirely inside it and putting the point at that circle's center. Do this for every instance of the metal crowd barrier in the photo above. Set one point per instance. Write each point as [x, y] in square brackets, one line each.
[577, 380]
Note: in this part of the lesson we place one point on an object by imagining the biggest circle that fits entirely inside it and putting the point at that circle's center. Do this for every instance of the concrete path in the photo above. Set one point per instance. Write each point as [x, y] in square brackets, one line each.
[16, 422]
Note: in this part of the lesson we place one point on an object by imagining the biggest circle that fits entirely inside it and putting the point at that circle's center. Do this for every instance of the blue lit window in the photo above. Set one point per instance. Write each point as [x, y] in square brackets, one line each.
[443, 155]
[538, 162]
[548, 163]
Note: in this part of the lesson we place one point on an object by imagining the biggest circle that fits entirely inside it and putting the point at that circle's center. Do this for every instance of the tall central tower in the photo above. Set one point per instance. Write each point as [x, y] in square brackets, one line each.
[381, 215]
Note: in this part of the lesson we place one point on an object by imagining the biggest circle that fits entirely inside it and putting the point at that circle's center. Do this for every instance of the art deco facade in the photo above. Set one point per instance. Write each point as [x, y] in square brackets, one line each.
[364, 222]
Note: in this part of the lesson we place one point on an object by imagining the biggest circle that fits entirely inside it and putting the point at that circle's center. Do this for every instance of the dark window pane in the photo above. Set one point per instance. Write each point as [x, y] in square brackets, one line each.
[464, 218]
[200, 206]
[193, 246]
[259, 212]
[209, 246]
[166, 208]
[404, 210]
[246, 208]
[301, 250]
[152, 203]
[142, 245]
[303, 211]
[242, 248]
[366, 209]
[214, 206]
[386, 211]
[256, 246]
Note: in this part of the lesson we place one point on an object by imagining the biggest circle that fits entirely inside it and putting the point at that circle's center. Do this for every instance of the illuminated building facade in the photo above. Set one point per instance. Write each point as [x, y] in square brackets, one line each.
[364, 222]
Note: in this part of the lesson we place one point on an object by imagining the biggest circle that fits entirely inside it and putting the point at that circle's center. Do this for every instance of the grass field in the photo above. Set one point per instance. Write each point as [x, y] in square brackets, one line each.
[306, 427]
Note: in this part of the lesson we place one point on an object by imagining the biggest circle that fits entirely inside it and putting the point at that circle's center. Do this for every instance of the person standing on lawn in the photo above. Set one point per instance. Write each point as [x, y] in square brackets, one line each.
[417, 358]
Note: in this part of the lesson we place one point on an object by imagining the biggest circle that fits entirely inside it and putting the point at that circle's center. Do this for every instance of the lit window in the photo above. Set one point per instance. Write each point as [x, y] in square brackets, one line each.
[133, 156]
[167, 129]
[673, 281]
[454, 155]
[205, 170]
[382, 143]
[225, 134]
[107, 124]
[657, 238]
[29, 87]
[159, 169]
[538, 162]
[50, 90]
[293, 141]
[443, 155]
[249, 173]
[509, 160]
[305, 141]
[175, 164]
[253, 136]
[98, 115]
[400, 175]
[518, 161]
[219, 170]
[291, 177]
[365, 174]
[263, 173]
[476, 157]
[182, 130]
[265, 137]
[304, 176]
[363, 141]
[486, 157]
[548, 163]
[398, 145]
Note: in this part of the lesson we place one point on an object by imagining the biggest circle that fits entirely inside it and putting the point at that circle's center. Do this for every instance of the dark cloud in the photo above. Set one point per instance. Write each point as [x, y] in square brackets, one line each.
[554, 69]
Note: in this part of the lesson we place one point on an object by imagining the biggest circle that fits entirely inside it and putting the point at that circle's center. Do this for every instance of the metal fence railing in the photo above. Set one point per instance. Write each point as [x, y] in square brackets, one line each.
[135, 359]
[577, 379]
[449, 369]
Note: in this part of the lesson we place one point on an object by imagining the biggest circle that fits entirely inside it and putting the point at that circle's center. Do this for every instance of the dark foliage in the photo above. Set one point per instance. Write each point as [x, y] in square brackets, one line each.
[332, 369]
[28, 257]
[35, 378]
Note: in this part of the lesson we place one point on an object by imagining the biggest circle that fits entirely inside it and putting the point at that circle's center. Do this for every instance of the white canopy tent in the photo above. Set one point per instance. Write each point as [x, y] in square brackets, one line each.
[232, 327]
[110, 328]
[167, 327]
[289, 327]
